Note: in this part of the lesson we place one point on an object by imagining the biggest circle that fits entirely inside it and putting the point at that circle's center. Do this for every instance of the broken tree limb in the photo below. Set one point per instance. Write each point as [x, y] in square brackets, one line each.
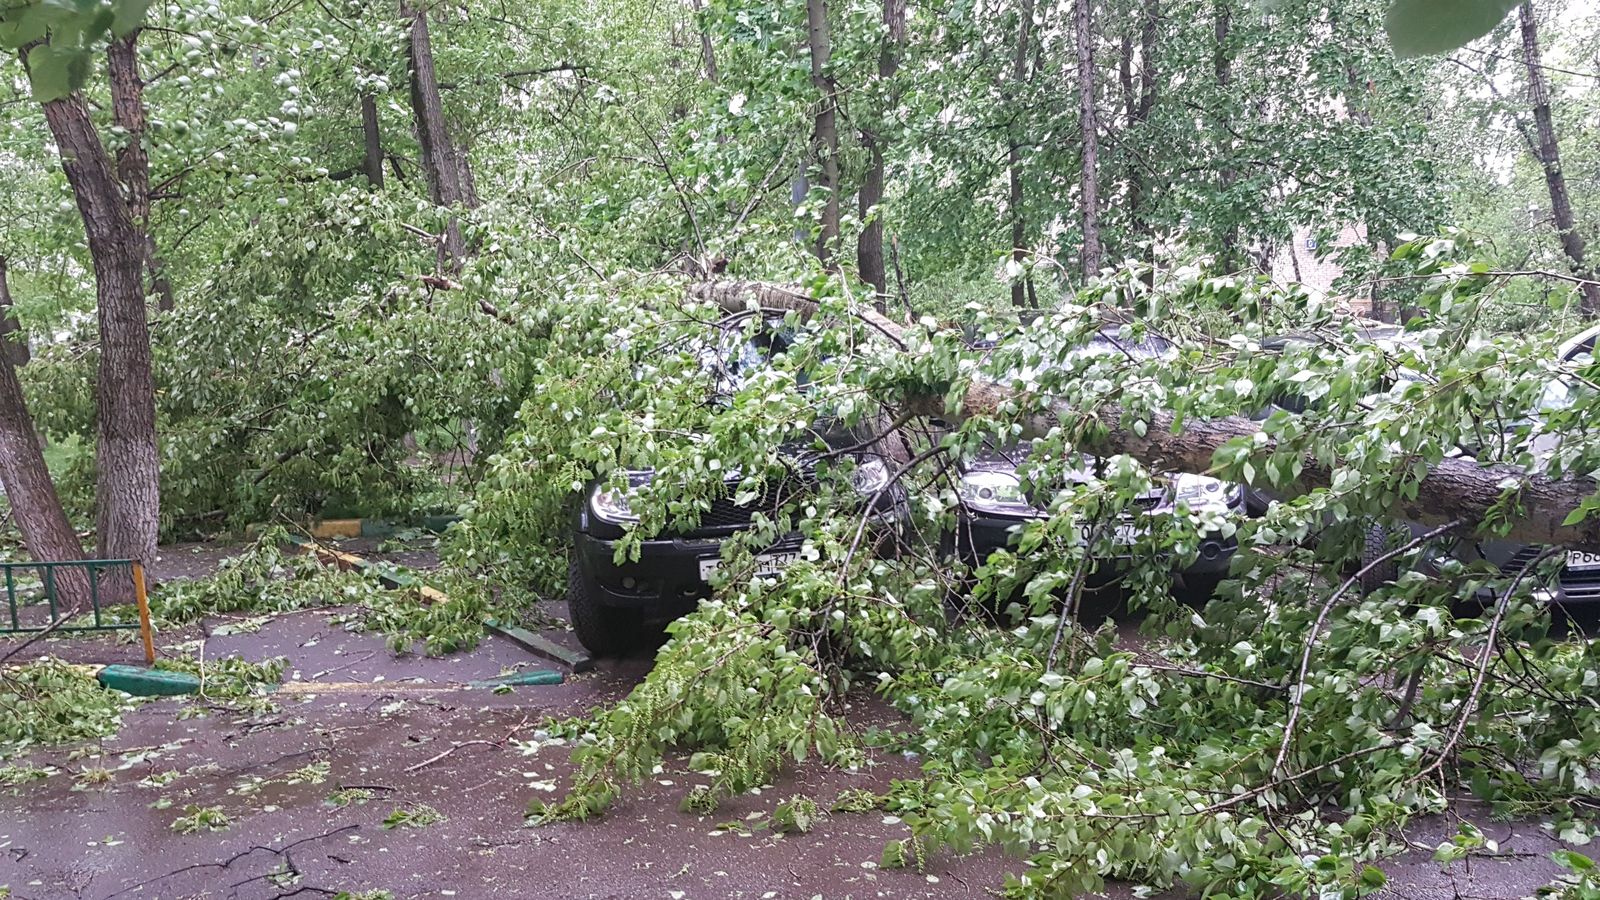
[1453, 489]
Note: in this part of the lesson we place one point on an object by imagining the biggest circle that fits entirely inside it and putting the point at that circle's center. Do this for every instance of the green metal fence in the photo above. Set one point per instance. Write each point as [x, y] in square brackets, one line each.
[40, 584]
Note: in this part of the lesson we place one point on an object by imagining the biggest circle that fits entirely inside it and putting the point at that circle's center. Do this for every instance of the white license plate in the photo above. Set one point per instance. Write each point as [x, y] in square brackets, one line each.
[766, 564]
[1125, 534]
[1581, 559]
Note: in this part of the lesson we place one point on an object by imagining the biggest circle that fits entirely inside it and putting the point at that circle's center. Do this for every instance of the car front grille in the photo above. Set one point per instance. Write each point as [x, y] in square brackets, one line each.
[725, 514]
[1580, 585]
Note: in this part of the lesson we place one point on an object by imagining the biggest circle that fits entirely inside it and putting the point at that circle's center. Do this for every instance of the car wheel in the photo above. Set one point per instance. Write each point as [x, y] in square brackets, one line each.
[1374, 574]
[602, 630]
[1198, 589]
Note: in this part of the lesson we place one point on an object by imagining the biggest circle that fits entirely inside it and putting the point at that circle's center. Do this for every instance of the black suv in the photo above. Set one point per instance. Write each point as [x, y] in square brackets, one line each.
[615, 606]
[994, 507]
[1579, 581]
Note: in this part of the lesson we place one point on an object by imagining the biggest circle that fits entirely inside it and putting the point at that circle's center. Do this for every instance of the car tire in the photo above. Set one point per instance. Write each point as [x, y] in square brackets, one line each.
[1374, 545]
[602, 630]
[1199, 589]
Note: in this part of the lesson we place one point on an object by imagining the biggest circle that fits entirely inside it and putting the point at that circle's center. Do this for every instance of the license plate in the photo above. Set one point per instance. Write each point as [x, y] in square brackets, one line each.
[1125, 534]
[766, 564]
[1582, 559]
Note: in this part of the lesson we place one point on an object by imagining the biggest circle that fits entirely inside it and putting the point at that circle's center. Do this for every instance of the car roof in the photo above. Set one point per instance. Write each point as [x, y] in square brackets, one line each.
[1583, 342]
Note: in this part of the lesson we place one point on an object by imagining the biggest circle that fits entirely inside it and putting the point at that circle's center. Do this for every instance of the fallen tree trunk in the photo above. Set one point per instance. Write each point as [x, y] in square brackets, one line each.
[1454, 489]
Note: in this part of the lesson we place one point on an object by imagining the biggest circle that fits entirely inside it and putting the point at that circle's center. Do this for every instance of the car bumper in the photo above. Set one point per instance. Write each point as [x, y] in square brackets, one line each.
[665, 580]
[977, 536]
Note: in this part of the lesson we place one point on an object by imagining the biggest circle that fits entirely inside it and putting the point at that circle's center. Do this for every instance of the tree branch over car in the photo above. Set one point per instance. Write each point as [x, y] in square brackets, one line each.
[1453, 490]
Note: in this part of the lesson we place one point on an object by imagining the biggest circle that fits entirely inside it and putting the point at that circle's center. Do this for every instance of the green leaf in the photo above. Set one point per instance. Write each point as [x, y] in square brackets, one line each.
[128, 15]
[54, 73]
[1427, 27]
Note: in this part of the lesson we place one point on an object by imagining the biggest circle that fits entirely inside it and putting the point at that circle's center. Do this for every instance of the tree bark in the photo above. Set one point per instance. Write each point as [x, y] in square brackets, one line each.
[133, 159]
[1549, 156]
[825, 133]
[1088, 125]
[127, 492]
[869, 247]
[1453, 489]
[708, 56]
[13, 340]
[1222, 71]
[372, 141]
[1016, 194]
[34, 504]
[441, 163]
[1138, 114]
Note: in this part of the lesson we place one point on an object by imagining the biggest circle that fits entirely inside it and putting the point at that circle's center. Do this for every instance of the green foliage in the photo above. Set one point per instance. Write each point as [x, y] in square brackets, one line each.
[1581, 881]
[51, 702]
[1425, 27]
[349, 796]
[229, 677]
[197, 818]
[60, 38]
[417, 816]
[797, 815]
[855, 800]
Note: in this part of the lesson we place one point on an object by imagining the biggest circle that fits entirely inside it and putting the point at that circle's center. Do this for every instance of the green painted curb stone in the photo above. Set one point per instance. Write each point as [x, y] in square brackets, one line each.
[142, 682]
[521, 679]
[541, 645]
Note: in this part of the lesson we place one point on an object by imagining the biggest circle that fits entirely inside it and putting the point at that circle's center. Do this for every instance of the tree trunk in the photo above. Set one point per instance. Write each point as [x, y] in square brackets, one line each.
[1088, 125]
[372, 141]
[133, 159]
[1222, 70]
[825, 135]
[708, 56]
[1549, 155]
[127, 492]
[1139, 113]
[869, 247]
[1016, 191]
[13, 340]
[32, 495]
[1454, 489]
[441, 164]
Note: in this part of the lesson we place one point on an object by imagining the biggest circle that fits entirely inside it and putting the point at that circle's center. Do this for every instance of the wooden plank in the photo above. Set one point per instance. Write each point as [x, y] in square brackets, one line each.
[336, 528]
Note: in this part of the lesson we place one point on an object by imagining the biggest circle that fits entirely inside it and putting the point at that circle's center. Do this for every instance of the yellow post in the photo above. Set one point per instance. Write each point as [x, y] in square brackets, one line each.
[144, 613]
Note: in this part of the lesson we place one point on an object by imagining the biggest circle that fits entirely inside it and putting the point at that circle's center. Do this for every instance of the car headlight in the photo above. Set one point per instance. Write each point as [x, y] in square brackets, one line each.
[991, 491]
[870, 476]
[611, 505]
[1204, 491]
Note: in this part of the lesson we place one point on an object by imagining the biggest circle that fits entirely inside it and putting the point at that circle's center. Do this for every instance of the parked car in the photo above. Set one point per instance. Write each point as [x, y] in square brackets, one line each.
[616, 606]
[994, 507]
[1579, 582]
[1580, 579]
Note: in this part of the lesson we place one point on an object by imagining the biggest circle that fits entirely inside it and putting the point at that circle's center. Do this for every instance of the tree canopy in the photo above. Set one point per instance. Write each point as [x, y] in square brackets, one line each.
[273, 260]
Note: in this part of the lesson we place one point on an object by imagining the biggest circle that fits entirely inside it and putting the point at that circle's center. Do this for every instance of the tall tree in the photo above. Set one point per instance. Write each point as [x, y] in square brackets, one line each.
[708, 55]
[37, 509]
[1088, 124]
[825, 129]
[133, 157]
[1016, 191]
[446, 169]
[869, 247]
[1548, 152]
[127, 491]
[1138, 103]
[1222, 72]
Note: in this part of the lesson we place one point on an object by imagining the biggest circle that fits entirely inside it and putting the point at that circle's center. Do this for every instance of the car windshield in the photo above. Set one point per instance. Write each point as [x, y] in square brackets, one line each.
[734, 357]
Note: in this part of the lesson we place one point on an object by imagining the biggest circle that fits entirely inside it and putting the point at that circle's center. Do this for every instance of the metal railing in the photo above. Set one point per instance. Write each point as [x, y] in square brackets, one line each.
[63, 587]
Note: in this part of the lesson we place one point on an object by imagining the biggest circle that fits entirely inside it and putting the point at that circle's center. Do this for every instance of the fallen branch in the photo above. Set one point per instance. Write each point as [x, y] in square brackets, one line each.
[1453, 490]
